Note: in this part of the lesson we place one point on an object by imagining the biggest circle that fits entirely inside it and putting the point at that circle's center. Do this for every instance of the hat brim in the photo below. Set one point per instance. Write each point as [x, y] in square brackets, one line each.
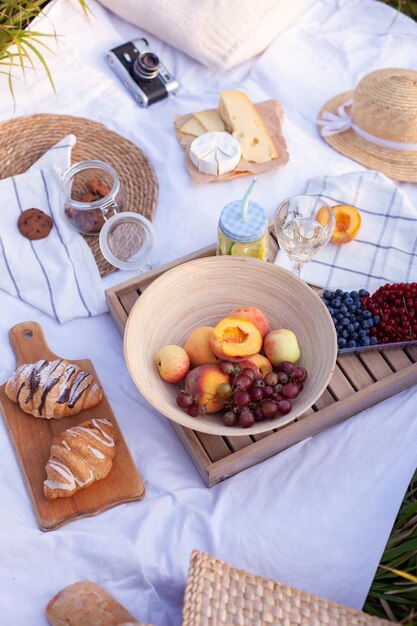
[397, 164]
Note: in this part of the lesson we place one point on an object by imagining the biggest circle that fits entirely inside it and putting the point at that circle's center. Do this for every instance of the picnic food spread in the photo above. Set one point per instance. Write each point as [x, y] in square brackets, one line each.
[244, 367]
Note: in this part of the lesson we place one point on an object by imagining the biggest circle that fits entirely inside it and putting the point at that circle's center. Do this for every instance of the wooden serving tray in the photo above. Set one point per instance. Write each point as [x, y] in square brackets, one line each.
[31, 438]
[358, 382]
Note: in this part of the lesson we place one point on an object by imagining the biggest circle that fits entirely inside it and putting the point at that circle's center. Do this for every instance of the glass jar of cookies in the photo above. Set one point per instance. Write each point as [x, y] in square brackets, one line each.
[92, 195]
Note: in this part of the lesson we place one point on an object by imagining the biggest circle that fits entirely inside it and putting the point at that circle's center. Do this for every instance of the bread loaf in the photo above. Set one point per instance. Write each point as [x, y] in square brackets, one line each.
[87, 604]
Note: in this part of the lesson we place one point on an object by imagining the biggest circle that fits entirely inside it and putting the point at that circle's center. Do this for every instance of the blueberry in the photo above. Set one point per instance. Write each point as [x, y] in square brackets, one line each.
[341, 342]
[376, 320]
[339, 327]
[362, 293]
[344, 334]
[343, 309]
[336, 303]
[354, 336]
[362, 332]
[352, 308]
[328, 295]
[364, 341]
[356, 325]
[339, 316]
[354, 294]
[330, 309]
[345, 321]
[364, 324]
[373, 341]
[339, 292]
[348, 300]
[350, 328]
[366, 314]
[351, 344]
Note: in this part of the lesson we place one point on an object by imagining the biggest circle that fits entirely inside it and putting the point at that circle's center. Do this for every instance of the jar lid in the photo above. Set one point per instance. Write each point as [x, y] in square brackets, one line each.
[237, 229]
[127, 241]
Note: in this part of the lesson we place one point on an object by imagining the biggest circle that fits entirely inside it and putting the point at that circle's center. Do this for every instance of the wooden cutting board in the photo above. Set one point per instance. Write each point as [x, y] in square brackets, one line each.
[31, 438]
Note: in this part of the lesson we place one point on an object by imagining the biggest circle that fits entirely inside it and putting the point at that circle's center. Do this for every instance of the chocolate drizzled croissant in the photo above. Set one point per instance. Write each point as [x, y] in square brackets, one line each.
[53, 389]
[79, 456]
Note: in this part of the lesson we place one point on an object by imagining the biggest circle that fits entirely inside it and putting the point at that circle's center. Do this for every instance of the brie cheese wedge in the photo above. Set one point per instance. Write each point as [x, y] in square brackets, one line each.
[215, 153]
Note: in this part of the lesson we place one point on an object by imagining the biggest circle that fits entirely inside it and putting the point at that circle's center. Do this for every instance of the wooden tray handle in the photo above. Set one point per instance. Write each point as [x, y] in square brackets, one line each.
[29, 344]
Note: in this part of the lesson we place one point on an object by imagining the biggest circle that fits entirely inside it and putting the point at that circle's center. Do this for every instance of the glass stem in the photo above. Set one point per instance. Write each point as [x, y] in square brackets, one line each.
[297, 267]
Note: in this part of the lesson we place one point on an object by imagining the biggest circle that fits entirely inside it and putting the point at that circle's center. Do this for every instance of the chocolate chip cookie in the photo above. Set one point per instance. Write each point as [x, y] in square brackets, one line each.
[34, 224]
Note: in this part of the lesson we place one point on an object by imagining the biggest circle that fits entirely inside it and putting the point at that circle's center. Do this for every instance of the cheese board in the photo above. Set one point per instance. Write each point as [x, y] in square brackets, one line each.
[31, 440]
[358, 382]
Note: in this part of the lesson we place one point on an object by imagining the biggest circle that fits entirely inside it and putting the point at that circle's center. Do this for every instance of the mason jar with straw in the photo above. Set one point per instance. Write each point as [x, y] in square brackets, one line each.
[243, 228]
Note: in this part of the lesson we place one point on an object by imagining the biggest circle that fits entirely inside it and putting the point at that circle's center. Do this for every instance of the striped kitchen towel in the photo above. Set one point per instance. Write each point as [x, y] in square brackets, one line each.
[385, 249]
[56, 274]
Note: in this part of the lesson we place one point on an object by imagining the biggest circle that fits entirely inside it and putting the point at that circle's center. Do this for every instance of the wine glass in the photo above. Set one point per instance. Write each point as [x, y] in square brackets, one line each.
[303, 225]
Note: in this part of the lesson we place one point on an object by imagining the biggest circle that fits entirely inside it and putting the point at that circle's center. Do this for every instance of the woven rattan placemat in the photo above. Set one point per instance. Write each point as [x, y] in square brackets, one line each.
[220, 595]
[23, 140]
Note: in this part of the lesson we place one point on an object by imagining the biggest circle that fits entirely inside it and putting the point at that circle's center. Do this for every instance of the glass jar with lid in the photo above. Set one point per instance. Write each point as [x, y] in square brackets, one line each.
[243, 236]
[93, 194]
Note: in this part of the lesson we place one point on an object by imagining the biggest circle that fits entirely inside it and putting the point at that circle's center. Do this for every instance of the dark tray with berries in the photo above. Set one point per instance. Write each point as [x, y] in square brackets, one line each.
[383, 318]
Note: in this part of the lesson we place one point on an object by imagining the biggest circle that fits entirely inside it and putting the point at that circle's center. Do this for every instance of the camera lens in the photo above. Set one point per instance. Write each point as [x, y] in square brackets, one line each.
[146, 65]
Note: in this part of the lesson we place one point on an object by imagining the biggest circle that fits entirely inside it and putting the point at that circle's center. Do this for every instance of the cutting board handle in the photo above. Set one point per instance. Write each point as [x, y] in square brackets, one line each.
[29, 344]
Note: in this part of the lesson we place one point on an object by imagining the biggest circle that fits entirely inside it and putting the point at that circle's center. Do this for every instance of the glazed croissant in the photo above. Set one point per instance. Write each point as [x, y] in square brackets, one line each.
[53, 389]
[79, 456]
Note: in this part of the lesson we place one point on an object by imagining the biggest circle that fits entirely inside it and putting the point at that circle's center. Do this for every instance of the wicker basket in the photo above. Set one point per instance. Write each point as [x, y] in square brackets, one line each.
[220, 595]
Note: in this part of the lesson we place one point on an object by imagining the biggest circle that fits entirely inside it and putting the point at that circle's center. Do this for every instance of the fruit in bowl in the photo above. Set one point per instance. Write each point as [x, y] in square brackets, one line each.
[249, 390]
[173, 363]
[201, 293]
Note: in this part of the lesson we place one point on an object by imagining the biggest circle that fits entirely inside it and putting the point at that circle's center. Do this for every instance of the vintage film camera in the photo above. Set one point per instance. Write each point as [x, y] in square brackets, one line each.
[141, 72]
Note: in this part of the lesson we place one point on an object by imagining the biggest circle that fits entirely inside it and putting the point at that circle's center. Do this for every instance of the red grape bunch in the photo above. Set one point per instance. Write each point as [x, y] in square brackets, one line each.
[250, 398]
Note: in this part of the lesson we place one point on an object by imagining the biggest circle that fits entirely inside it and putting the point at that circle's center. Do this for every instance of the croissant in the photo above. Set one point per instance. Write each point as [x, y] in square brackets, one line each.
[53, 389]
[79, 456]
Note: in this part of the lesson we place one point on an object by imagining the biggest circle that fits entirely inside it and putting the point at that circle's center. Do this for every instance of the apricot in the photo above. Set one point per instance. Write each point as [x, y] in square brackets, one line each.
[198, 348]
[234, 339]
[254, 315]
[172, 363]
[262, 363]
[202, 382]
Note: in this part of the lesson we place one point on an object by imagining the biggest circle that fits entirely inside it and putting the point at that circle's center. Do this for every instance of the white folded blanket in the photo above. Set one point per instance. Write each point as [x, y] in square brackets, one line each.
[57, 274]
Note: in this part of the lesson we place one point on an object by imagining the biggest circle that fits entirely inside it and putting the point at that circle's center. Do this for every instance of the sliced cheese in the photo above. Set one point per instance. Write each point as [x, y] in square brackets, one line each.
[211, 120]
[193, 127]
[215, 153]
[244, 122]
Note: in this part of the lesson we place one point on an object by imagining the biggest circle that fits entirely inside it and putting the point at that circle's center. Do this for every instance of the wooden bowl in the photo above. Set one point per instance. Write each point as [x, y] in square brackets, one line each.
[201, 293]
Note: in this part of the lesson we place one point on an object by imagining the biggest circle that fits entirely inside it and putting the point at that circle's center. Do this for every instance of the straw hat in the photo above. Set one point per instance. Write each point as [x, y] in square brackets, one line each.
[376, 125]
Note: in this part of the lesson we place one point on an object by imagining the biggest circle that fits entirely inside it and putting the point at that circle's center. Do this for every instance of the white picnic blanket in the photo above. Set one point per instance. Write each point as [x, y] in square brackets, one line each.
[385, 249]
[316, 516]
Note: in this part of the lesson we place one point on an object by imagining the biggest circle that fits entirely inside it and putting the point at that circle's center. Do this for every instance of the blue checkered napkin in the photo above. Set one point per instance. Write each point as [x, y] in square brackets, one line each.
[385, 249]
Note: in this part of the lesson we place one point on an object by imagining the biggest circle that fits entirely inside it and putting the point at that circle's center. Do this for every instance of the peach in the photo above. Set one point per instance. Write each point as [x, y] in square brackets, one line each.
[254, 315]
[258, 363]
[198, 348]
[202, 383]
[234, 339]
[281, 345]
[172, 363]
